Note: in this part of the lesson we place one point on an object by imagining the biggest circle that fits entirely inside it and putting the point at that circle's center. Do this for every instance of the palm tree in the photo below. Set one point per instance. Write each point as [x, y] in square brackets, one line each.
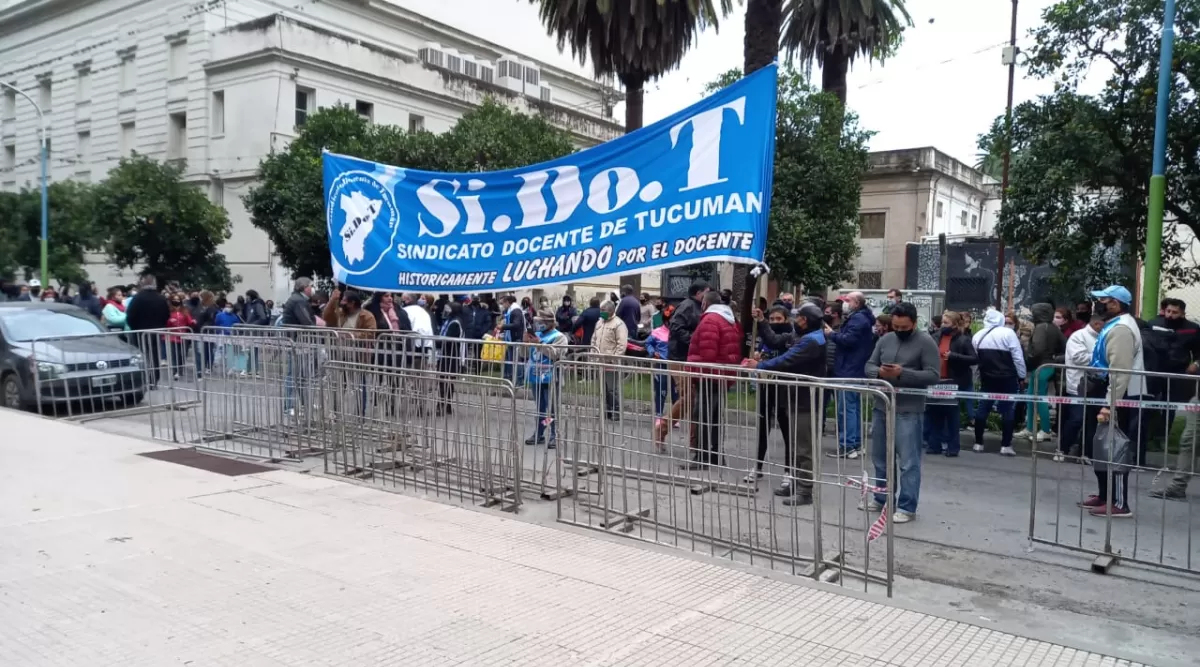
[835, 32]
[636, 40]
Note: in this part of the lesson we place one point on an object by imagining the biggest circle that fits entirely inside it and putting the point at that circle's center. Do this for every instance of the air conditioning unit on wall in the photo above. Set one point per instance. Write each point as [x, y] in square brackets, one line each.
[432, 54]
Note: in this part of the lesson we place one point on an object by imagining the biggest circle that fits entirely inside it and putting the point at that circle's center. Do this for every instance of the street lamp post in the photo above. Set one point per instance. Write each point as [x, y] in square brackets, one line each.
[44, 273]
[1158, 175]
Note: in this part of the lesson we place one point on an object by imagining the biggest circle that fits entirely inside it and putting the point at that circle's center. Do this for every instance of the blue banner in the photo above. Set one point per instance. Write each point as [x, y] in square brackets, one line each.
[693, 187]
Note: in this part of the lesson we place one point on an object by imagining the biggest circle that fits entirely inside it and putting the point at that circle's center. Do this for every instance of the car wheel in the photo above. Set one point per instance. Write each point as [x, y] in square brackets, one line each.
[10, 392]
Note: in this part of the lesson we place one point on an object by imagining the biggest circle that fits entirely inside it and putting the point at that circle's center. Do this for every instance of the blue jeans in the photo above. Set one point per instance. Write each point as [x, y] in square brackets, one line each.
[849, 426]
[661, 382]
[941, 428]
[1005, 408]
[542, 392]
[907, 441]
[297, 374]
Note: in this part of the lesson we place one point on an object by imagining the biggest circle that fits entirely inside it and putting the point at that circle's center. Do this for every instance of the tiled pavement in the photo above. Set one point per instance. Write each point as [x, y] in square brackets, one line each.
[109, 558]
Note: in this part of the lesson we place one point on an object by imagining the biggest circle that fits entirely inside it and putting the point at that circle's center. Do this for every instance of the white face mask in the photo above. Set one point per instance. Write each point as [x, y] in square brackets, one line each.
[229, 309]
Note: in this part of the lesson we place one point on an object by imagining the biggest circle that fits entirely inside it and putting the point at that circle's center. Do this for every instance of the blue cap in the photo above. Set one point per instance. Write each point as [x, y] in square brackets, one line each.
[1114, 292]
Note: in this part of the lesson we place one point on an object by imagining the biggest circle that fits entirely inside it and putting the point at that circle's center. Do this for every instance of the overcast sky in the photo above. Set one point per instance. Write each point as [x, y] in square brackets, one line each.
[943, 88]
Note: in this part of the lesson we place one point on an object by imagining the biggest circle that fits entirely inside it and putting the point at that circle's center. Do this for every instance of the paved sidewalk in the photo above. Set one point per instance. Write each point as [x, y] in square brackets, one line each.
[110, 558]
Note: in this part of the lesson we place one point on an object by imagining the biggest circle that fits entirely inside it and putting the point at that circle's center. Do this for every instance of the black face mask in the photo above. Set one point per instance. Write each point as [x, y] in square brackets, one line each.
[827, 319]
[780, 327]
[948, 330]
[903, 335]
[1173, 323]
[658, 307]
[1083, 315]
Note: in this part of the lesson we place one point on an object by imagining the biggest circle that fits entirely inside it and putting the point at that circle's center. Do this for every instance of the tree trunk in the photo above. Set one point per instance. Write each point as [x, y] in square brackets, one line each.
[634, 94]
[764, 19]
[833, 72]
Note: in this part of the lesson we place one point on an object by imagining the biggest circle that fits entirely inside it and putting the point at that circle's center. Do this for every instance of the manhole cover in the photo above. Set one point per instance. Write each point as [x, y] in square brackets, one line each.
[217, 464]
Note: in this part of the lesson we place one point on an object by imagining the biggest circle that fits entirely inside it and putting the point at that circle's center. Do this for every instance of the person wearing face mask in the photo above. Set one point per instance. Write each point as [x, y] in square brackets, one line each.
[541, 374]
[855, 341]
[957, 358]
[1065, 320]
[629, 309]
[345, 311]
[1001, 370]
[610, 340]
[893, 299]
[1118, 347]
[906, 358]
[1046, 346]
[566, 314]
[452, 353]
[647, 320]
[1078, 357]
[656, 348]
[788, 348]
[179, 319]
[512, 329]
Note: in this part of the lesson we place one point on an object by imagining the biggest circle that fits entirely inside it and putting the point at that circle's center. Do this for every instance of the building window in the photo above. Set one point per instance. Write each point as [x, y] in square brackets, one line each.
[454, 63]
[365, 109]
[218, 192]
[487, 74]
[128, 139]
[84, 176]
[937, 210]
[510, 69]
[304, 101]
[872, 225]
[177, 65]
[177, 136]
[218, 113]
[471, 69]
[10, 157]
[415, 123]
[128, 73]
[83, 147]
[974, 221]
[83, 85]
[963, 218]
[45, 93]
[870, 279]
[10, 104]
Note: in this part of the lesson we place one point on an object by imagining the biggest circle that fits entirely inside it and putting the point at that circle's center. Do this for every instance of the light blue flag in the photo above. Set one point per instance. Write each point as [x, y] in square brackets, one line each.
[694, 187]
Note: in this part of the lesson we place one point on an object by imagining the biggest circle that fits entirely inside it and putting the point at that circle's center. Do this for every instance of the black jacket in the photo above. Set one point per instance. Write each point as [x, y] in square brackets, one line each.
[477, 320]
[148, 310]
[90, 303]
[805, 356]
[297, 311]
[255, 312]
[683, 323]
[962, 358]
[1174, 346]
[205, 316]
[587, 321]
[1048, 344]
[515, 325]
[564, 317]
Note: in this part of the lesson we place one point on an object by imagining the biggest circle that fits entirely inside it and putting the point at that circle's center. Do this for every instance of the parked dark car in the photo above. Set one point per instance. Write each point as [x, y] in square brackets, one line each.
[54, 354]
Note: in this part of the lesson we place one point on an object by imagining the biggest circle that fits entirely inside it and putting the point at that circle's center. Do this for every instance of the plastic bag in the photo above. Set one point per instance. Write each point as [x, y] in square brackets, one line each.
[1111, 447]
[493, 352]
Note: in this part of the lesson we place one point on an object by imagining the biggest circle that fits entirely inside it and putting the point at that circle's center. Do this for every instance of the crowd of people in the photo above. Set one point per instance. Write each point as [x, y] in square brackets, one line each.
[842, 339]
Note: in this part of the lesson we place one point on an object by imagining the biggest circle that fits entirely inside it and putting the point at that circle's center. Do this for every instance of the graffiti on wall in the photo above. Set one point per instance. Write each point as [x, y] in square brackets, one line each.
[972, 274]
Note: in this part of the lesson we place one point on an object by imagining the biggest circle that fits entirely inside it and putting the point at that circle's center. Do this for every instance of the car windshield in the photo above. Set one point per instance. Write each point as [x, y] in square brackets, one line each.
[24, 325]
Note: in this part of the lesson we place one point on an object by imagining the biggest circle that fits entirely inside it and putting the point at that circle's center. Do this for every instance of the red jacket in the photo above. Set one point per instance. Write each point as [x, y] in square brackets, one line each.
[717, 339]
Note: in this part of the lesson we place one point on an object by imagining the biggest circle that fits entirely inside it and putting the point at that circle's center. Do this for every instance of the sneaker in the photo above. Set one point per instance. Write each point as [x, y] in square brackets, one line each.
[951, 454]
[786, 487]
[1023, 433]
[1043, 436]
[798, 500]
[531, 440]
[869, 505]
[1169, 494]
[1117, 512]
[932, 452]
[903, 517]
[752, 478]
[977, 448]
[1091, 502]
[1059, 457]
[845, 454]
[551, 445]
[1007, 451]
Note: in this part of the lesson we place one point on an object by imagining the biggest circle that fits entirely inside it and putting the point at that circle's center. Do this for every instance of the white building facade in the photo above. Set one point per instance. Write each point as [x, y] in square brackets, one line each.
[223, 83]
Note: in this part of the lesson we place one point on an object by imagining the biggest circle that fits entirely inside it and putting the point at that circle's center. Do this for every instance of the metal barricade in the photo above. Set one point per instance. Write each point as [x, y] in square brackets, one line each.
[700, 472]
[452, 435]
[1114, 502]
[97, 376]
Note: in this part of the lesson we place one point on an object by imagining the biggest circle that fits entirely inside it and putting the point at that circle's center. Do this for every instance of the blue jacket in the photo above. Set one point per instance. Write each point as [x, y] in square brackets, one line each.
[855, 341]
[227, 321]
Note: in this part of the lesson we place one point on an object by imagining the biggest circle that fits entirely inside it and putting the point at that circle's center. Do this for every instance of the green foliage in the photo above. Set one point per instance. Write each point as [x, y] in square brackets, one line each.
[151, 218]
[288, 204]
[1078, 194]
[71, 231]
[833, 33]
[820, 158]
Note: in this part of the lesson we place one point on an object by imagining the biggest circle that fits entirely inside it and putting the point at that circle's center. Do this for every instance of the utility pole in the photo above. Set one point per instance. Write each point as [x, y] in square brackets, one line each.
[1009, 58]
[1158, 176]
[44, 275]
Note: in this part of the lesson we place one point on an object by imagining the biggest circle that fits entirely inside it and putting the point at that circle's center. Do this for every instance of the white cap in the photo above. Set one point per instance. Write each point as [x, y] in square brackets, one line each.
[35, 283]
